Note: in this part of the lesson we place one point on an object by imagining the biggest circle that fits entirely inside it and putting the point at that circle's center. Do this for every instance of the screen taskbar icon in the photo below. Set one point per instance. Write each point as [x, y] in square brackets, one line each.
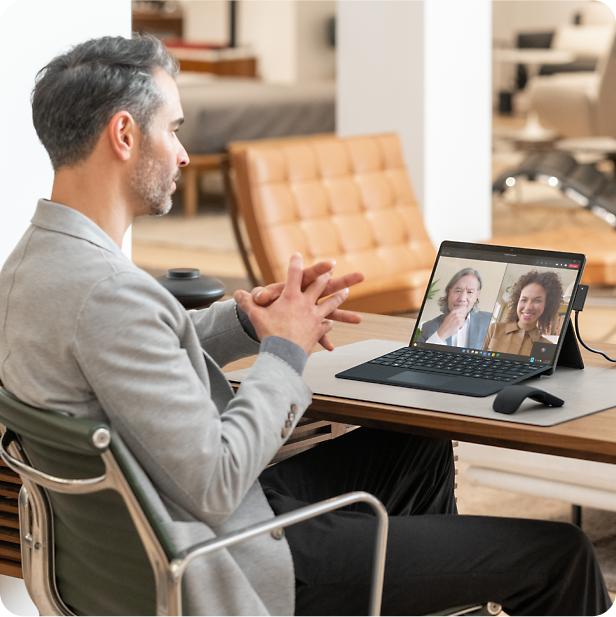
[481, 353]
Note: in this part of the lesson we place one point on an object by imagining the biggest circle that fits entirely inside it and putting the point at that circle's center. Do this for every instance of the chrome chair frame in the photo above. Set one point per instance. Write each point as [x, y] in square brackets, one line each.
[36, 529]
[94, 439]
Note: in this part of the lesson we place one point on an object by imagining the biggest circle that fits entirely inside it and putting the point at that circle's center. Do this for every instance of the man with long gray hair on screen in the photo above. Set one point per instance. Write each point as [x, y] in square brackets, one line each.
[461, 323]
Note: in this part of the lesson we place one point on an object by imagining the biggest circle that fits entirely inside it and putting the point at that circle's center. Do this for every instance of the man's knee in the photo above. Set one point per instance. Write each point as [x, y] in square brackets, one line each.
[571, 537]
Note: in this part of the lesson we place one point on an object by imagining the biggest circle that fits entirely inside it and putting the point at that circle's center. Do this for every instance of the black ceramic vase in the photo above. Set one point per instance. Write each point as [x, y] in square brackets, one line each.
[190, 288]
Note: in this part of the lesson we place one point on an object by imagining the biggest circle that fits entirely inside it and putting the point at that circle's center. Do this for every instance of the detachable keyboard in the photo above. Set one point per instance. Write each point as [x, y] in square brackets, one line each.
[471, 365]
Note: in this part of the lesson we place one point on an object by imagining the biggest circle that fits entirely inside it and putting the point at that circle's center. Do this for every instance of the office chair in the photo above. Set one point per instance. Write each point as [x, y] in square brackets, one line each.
[92, 542]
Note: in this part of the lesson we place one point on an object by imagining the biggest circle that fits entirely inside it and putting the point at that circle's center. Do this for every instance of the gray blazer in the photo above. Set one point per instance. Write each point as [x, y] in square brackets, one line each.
[478, 327]
[85, 332]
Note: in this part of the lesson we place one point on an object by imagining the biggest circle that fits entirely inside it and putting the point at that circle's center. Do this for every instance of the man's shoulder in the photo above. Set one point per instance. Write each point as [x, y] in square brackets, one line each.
[435, 320]
[66, 269]
[483, 316]
[428, 328]
[59, 258]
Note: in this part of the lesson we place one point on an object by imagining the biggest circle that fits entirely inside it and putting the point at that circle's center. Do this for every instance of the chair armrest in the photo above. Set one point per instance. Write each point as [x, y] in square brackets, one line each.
[274, 526]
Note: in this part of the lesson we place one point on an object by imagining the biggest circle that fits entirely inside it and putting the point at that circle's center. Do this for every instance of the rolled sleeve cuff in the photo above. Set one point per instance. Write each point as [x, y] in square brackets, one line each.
[286, 350]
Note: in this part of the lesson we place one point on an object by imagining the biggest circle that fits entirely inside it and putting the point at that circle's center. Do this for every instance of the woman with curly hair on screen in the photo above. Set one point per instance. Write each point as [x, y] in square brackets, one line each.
[535, 300]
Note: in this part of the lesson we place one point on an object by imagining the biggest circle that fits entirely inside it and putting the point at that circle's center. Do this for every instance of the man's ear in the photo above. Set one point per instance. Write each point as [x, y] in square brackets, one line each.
[122, 133]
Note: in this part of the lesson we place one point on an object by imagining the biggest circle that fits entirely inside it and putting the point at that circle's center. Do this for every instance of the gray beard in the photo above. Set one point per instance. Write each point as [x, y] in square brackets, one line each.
[151, 181]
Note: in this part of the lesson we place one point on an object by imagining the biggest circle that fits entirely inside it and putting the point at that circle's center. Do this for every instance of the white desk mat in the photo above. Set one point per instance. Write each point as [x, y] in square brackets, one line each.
[584, 391]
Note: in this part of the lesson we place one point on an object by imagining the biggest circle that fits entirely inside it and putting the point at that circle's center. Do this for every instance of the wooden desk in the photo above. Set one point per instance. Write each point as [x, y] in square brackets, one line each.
[592, 437]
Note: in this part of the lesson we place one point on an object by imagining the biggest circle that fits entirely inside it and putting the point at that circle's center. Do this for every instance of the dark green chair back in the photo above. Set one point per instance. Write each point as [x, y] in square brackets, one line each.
[101, 566]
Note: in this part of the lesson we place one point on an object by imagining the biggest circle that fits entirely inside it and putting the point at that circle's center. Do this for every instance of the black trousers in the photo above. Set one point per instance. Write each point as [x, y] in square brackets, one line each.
[435, 558]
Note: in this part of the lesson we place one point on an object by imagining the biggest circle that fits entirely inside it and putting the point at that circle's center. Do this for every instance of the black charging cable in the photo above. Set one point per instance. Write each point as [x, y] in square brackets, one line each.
[578, 305]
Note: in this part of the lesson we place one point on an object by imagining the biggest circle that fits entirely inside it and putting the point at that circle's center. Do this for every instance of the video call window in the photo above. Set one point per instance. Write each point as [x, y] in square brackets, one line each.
[496, 307]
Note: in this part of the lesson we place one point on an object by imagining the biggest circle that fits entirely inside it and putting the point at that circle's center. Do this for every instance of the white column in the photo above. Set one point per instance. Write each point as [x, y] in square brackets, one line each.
[206, 22]
[422, 68]
[289, 38]
[31, 33]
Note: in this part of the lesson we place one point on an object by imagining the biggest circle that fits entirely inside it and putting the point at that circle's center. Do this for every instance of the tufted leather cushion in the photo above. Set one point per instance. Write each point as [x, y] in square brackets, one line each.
[347, 199]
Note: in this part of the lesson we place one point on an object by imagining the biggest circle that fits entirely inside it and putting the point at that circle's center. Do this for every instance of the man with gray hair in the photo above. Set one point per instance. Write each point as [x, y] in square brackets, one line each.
[87, 333]
[461, 324]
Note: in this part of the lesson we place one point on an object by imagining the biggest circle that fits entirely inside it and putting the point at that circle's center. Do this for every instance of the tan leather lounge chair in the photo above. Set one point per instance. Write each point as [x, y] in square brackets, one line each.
[346, 199]
[351, 199]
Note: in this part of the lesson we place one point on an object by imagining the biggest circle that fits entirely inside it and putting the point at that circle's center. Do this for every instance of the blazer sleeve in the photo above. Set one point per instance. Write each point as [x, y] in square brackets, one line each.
[221, 333]
[139, 353]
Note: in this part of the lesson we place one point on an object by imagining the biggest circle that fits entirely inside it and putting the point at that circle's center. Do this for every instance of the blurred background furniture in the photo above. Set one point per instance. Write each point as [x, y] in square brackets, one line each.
[533, 60]
[215, 59]
[348, 199]
[199, 164]
[587, 187]
[10, 553]
[578, 104]
[588, 38]
[581, 483]
[161, 18]
[218, 111]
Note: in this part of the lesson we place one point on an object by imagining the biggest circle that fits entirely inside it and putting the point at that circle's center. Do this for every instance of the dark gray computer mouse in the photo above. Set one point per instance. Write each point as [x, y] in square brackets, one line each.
[509, 399]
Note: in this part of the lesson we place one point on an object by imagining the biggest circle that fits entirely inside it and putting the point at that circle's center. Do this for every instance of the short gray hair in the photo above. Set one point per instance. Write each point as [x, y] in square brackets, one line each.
[77, 93]
[443, 301]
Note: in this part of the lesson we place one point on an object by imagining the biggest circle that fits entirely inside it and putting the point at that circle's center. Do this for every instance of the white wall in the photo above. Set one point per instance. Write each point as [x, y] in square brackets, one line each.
[289, 37]
[31, 33]
[422, 69]
[206, 21]
[269, 28]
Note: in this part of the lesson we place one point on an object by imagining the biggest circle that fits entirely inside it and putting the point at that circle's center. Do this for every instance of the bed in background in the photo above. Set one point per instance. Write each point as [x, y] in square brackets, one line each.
[219, 110]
